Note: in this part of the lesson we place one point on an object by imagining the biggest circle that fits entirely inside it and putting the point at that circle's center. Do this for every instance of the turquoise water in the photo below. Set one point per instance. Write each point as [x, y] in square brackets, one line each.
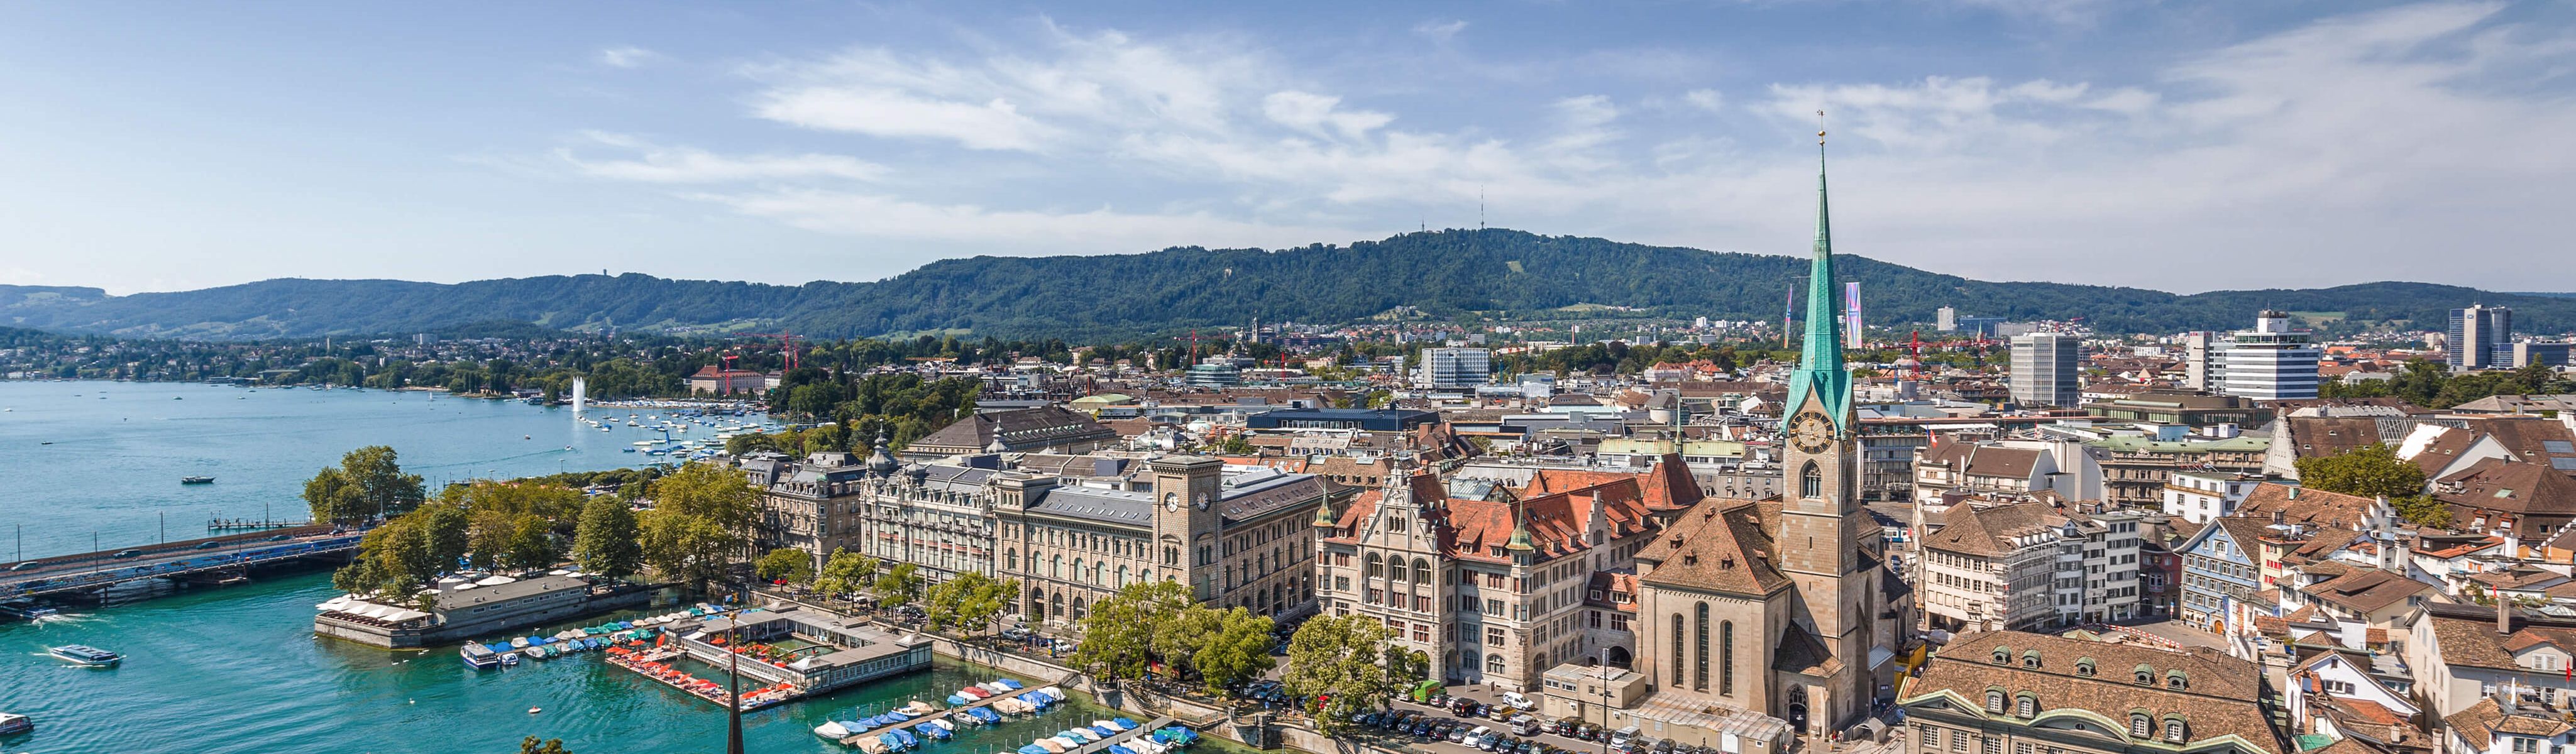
[238, 670]
[111, 474]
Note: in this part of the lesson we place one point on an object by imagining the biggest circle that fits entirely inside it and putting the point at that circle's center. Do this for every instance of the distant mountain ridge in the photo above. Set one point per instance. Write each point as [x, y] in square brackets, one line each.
[1112, 296]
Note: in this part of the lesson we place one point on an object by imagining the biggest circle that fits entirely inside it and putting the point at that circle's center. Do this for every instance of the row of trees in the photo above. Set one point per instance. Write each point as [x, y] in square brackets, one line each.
[2432, 384]
[1158, 623]
[695, 528]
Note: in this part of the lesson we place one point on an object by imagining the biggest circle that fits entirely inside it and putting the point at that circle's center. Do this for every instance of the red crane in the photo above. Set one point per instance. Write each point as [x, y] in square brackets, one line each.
[786, 344]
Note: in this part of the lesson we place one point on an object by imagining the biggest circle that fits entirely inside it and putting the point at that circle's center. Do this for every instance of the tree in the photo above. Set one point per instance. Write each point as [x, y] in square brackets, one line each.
[1119, 634]
[382, 486]
[531, 543]
[971, 601]
[607, 542]
[899, 585]
[2375, 471]
[444, 531]
[332, 498]
[696, 526]
[1239, 649]
[1337, 659]
[788, 564]
[530, 745]
[845, 572]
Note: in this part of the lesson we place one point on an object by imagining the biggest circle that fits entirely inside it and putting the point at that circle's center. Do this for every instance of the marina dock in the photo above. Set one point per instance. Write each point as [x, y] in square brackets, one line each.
[852, 739]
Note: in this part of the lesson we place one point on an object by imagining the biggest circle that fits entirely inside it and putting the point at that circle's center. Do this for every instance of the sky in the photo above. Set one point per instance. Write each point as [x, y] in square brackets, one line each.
[2178, 145]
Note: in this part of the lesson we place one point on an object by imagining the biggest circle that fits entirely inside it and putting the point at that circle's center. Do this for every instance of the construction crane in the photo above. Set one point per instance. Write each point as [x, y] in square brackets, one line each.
[786, 344]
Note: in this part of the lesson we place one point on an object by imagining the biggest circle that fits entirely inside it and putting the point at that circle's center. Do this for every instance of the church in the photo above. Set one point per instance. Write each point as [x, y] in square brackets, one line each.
[1779, 606]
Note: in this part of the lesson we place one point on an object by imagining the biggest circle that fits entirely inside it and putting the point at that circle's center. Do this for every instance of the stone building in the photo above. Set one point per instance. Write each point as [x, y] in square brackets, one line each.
[2009, 692]
[2030, 566]
[1240, 540]
[1045, 429]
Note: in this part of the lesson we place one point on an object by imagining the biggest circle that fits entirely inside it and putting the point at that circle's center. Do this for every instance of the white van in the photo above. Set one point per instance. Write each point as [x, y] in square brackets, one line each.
[1620, 739]
[1515, 699]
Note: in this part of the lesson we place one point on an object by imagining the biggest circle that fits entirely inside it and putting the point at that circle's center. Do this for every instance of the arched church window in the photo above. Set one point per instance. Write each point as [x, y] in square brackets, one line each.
[1811, 482]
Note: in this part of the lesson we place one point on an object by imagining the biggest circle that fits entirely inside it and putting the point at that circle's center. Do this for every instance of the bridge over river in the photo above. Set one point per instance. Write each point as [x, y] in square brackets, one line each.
[208, 558]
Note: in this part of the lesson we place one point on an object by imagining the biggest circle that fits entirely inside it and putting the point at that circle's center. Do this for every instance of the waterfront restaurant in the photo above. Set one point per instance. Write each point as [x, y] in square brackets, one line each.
[466, 609]
[824, 652]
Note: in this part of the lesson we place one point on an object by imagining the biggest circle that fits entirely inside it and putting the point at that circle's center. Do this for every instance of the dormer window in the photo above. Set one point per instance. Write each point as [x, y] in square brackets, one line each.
[2026, 706]
[1995, 701]
[2084, 667]
[2030, 659]
[2146, 676]
[2173, 731]
[2141, 726]
[2174, 679]
[2003, 655]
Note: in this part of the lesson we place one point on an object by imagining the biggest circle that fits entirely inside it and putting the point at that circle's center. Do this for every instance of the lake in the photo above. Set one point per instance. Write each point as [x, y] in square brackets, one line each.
[238, 670]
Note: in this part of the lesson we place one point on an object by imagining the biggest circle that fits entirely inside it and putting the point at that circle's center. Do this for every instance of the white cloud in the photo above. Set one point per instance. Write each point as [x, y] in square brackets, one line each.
[1439, 31]
[658, 164]
[1102, 230]
[2350, 146]
[627, 57]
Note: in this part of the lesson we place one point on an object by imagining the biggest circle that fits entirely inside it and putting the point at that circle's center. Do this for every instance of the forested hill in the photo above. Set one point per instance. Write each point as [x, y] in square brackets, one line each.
[1082, 297]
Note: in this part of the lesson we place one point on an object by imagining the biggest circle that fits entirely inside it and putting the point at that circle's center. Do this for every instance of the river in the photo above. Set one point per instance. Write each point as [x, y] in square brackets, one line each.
[238, 670]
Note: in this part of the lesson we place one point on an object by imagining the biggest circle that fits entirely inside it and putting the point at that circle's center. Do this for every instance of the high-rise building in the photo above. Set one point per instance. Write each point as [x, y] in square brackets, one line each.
[2475, 332]
[1946, 319]
[2270, 362]
[2202, 367]
[2044, 367]
[1455, 367]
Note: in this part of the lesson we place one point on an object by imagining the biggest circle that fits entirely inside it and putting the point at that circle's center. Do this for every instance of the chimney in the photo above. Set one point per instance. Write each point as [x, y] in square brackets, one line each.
[2504, 613]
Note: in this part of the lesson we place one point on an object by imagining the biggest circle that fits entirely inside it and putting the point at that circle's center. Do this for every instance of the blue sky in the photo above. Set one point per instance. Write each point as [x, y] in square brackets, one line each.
[2179, 145]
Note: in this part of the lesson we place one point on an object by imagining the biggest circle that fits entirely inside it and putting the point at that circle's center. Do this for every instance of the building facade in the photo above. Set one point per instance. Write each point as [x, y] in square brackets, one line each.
[1455, 367]
[2045, 370]
[1239, 540]
[2475, 334]
[2028, 693]
[2271, 362]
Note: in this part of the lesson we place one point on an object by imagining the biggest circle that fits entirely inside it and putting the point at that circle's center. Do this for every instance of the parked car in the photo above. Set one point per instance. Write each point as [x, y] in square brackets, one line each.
[1456, 734]
[1661, 747]
[1514, 698]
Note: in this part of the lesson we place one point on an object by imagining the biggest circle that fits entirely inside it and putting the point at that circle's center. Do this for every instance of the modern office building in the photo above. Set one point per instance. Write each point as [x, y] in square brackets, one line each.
[2044, 370]
[1946, 319]
[2475, 333]
[2270, 362]
[1455, 367]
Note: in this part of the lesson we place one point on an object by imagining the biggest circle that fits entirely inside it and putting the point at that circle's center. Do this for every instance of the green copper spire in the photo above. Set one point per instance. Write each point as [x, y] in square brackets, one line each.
[1820, 366]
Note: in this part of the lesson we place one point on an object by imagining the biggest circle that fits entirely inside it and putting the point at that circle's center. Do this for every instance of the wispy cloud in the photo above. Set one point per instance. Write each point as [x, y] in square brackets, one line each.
[2224, 159]
[646, 162]
[627, 57]
[1439, 31]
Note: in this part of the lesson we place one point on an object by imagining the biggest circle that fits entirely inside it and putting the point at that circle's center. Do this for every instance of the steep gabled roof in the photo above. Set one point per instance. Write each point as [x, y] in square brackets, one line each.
[1719, 545]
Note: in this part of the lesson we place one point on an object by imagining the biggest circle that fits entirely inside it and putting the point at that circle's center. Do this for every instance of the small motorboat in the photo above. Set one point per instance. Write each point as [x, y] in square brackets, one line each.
[509, 659]
[479, 657]
[535, 710]
[11, 725]
[86, 655]
[196, 480]
[832, 730]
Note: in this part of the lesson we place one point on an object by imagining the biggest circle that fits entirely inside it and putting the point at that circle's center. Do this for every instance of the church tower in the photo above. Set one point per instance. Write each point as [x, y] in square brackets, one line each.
[1822, 524]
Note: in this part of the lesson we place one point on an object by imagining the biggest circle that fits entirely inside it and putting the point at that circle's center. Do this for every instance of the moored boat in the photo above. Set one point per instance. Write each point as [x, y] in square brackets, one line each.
[479, 657]
[26, 610]
[196, 480]
[11, 725]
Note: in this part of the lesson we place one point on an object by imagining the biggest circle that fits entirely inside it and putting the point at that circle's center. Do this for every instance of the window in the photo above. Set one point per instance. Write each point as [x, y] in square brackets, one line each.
[1422, 633]
[1811, 483]
[2003, 655]
[2173, 731]
[2026, 706]
[1677, 649]
[1699, 671]
[1990, 746]
[2145, 676]
[1619, 622]
[2084, 666]
[2030, 658]
[2140, 726]
[1726, 658]
[2525, 745]
[1931, 738]
[1493, 637]
[1994, 701]
[1421, 571]
[2174, 679]
[1493, 663]
[1376, 567]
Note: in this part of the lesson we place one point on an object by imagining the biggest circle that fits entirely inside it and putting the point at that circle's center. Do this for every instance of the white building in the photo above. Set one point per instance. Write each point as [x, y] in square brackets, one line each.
[2044, 369]
[2270, 362]
[2198, 496]
[1455, 367]
[2024, 566]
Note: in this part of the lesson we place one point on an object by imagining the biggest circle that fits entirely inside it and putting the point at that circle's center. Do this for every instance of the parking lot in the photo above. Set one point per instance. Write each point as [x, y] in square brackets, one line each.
[1505, 741]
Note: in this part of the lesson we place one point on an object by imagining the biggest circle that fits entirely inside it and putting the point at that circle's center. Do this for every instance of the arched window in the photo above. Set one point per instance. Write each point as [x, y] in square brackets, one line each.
[2003, 655]
[1077, 571]
[1699, 670]
[2026, 706]
[1122, 576]
[2146, 676]
[2030, 658]
[2084, 666]
[1421, 571]
[2174, 679]
[1726, 657]
[2140, 725]
[1012, 558]
[1376, 566]
[1811, 483]
[1677, 650]
[1055, 567]
[2173, 730]
[1995, 701]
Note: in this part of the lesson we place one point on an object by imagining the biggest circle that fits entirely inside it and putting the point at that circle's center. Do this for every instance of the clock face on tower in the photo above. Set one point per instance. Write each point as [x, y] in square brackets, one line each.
[1811, 432]
[1171, 501]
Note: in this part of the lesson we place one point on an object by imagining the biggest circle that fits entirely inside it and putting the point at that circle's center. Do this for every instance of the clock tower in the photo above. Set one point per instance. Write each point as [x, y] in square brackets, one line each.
[1826, 539]
[1186, 519]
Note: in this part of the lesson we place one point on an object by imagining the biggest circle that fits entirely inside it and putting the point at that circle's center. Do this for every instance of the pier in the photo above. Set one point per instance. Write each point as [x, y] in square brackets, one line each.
[207, 559]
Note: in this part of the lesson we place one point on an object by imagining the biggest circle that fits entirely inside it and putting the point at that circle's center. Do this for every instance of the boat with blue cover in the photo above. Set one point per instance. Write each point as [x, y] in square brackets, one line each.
[84, 654]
